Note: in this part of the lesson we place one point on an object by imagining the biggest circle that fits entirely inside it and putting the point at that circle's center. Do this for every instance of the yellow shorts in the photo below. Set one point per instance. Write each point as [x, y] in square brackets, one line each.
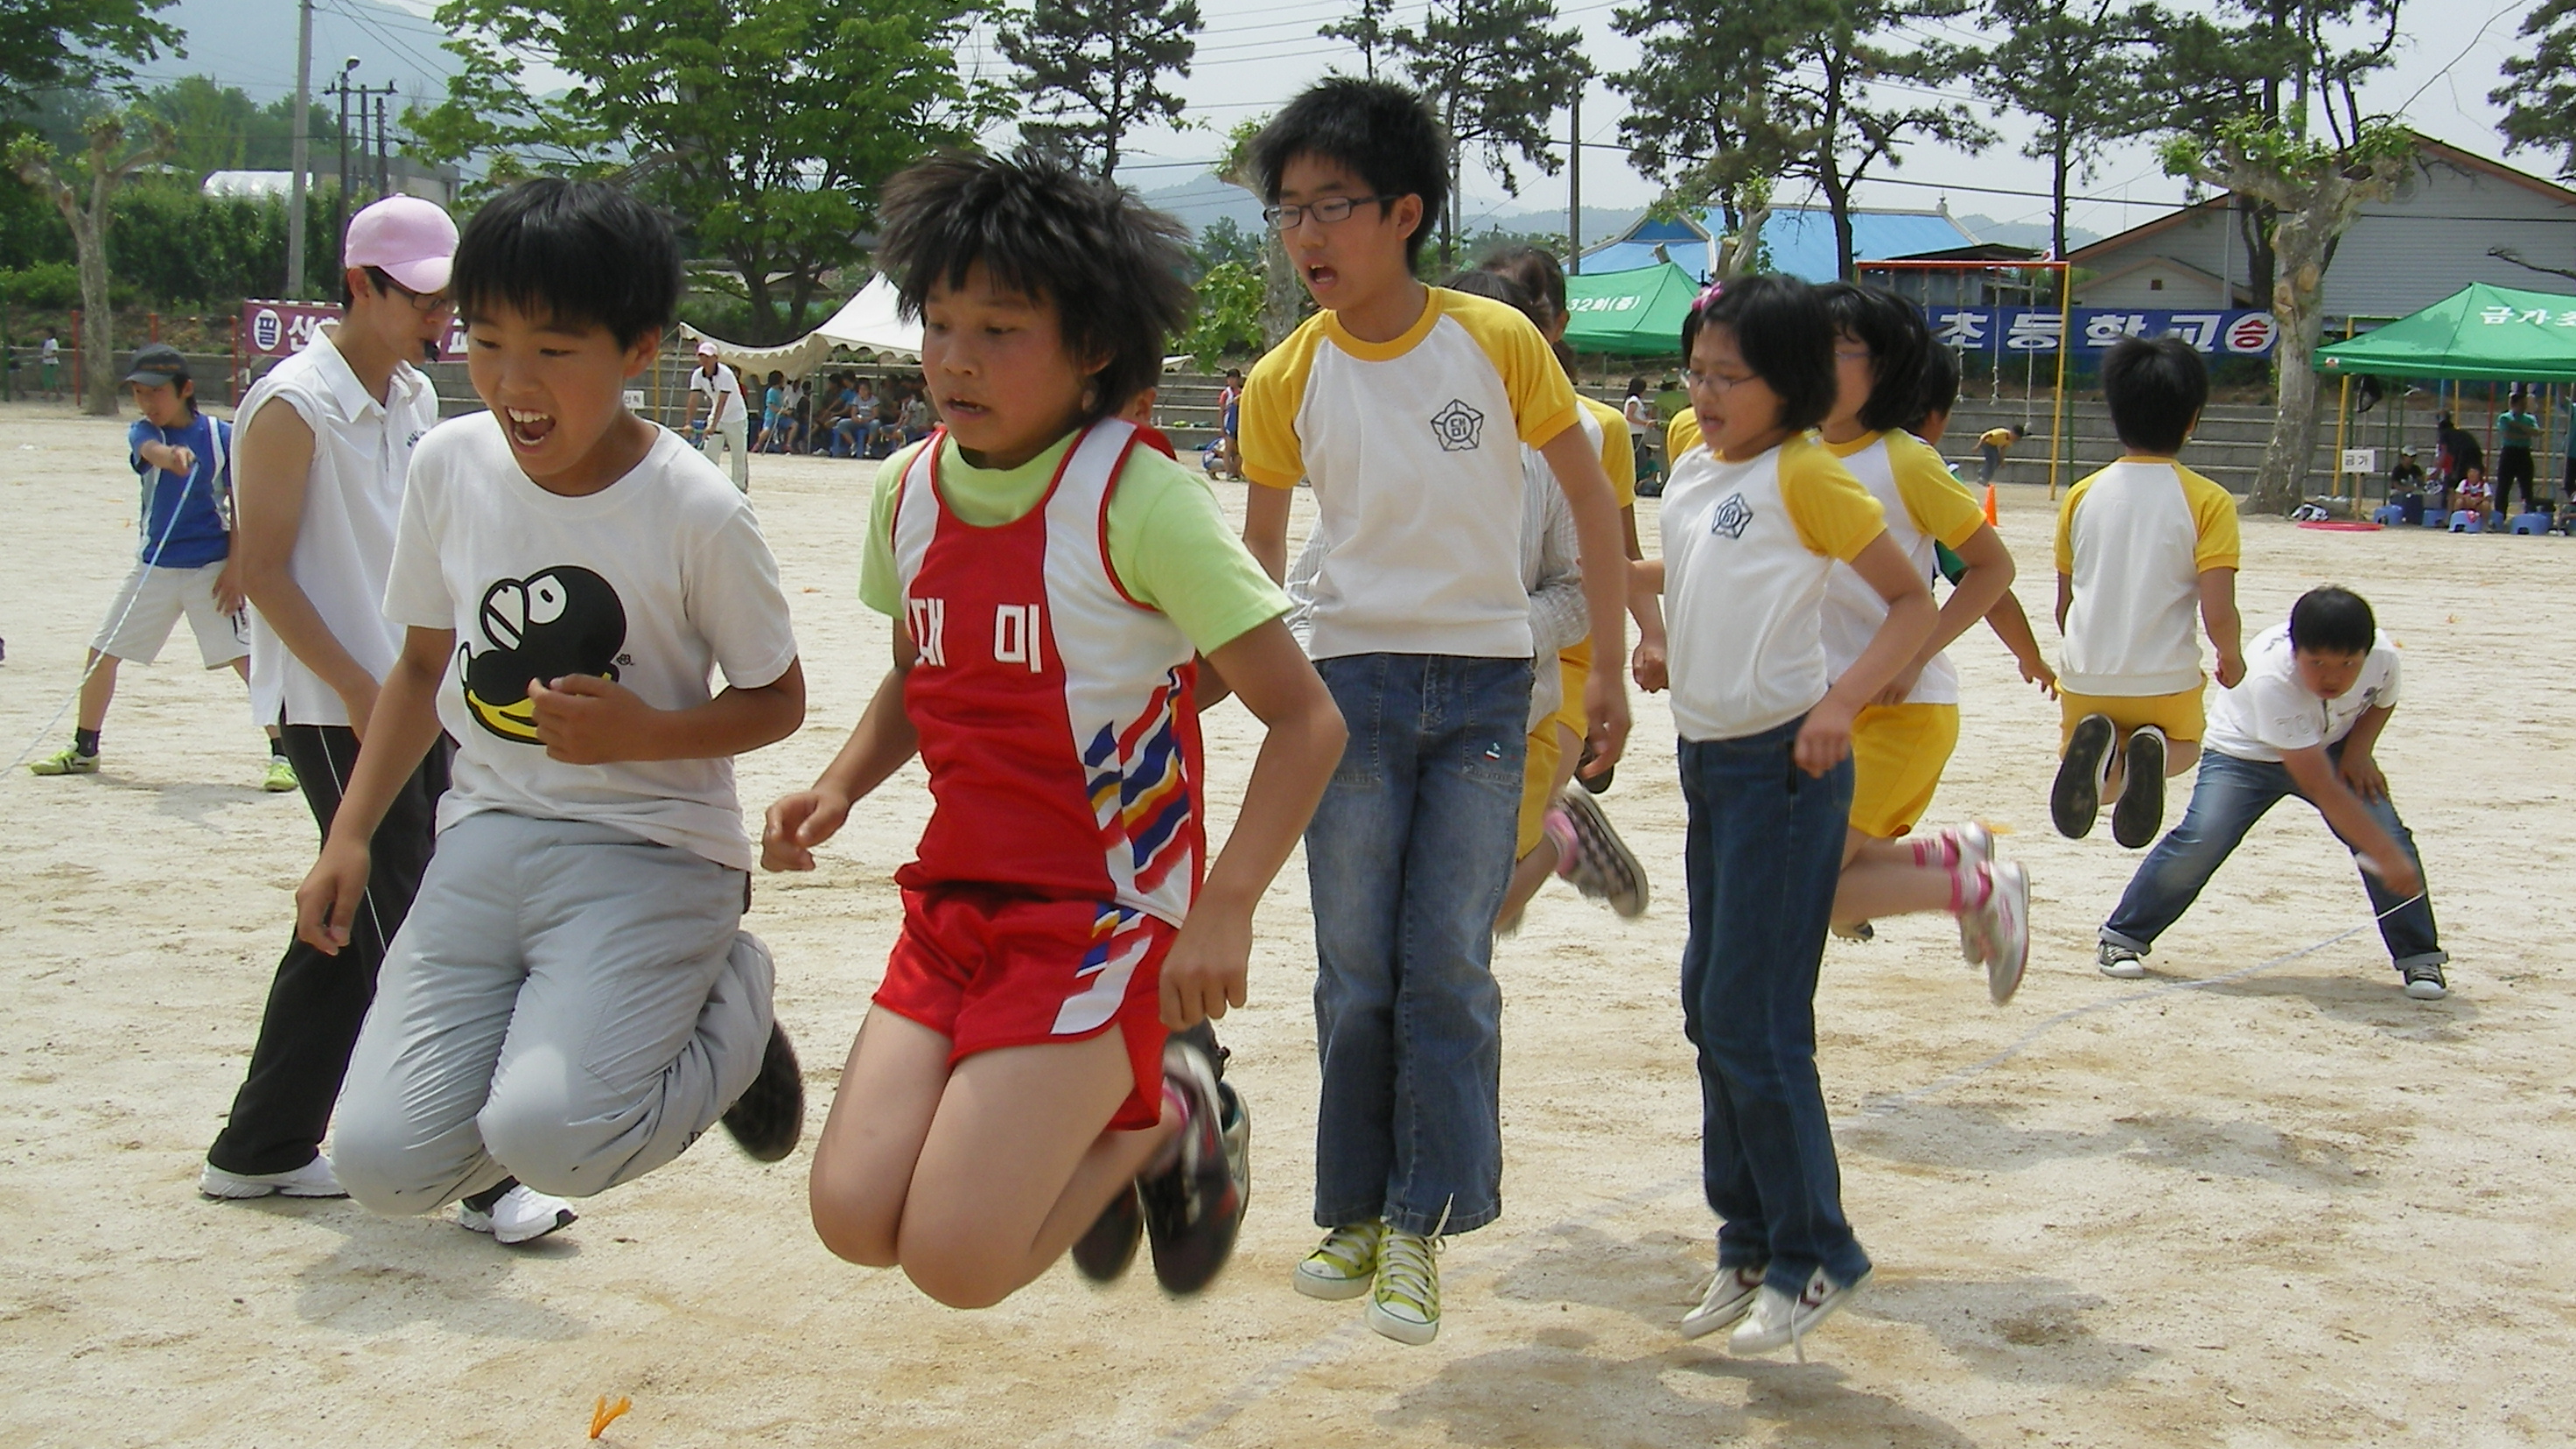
[1572, 673]
[1898, 751]
[2178, 714]
[1546, 748]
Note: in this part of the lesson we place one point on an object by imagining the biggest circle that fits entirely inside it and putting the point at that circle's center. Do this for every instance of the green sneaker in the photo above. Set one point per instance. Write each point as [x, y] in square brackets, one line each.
[281, 776]
[1404, 1303]
[1344, 1264]
[65, 761]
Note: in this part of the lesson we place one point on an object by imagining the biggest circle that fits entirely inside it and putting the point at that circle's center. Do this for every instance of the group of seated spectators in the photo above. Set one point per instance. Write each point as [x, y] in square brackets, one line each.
[845, 415]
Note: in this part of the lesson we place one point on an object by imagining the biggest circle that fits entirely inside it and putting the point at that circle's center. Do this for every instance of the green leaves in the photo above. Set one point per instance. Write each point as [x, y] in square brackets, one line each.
[1093, 69]
[1497, 71]
[77, 45]
[2539, 92]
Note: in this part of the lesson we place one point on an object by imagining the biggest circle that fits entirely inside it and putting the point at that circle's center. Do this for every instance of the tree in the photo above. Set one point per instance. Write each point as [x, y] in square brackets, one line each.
[103, 167]
[1228, 320]
[1728, 94]
[1094, 69]
[76, 45]
[1367, 30]
[219, 127]
[1496, 73]
[1223, 241]
[768, 125]
[1284, 300]
[2268, 108]
[2539, 92]
[2073, 66]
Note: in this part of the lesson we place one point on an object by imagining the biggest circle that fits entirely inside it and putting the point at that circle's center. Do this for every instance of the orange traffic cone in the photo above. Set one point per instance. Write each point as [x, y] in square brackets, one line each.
[1990, 505]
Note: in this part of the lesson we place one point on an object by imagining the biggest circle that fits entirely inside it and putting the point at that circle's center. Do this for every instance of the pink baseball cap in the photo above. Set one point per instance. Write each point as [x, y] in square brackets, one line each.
[408, 239]
[708, 349]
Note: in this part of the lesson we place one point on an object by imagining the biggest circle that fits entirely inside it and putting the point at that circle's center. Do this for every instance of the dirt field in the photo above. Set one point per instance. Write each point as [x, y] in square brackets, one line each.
[2259, 1198]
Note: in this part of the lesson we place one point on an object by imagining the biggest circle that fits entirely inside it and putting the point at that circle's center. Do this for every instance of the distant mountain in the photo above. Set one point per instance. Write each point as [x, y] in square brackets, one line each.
[1199, 202]
[2025, 233]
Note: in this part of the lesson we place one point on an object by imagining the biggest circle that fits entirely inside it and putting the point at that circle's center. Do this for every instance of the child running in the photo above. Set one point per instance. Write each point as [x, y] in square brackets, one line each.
[1405, 406]
[2141, 545]
[2304, 721]
[571, 1001]
[1931, 422]
[184, 460]
[1902, 738]
[1755, 520]
[1051, 581]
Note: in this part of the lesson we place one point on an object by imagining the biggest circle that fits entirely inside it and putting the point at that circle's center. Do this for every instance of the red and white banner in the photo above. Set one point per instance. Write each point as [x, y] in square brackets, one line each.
[276, 329]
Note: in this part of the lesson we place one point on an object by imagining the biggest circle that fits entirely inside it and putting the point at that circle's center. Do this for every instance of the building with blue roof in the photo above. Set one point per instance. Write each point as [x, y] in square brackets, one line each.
[1798, 240]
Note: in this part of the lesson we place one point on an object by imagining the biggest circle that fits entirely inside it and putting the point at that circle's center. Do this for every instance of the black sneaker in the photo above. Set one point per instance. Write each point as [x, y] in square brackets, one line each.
[2424, 981]
[769, 1117]
[1601, 865]
[2077, 796]
[1105, 1248]
[1194, 1208]
[2141, 811]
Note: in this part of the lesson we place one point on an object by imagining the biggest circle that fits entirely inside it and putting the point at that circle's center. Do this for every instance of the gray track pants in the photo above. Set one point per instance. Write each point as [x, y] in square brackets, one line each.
[567, 1004]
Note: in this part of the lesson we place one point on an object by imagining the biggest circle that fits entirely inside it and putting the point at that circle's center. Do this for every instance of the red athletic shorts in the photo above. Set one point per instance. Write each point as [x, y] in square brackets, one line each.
[990, 968]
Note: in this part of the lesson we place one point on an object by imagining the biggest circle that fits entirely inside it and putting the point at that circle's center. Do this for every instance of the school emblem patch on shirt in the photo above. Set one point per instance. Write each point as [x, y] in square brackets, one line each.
[1459, 427]
[1730, 517]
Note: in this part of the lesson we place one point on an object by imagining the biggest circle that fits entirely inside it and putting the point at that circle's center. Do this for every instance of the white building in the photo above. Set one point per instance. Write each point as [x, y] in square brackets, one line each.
[2456, 218]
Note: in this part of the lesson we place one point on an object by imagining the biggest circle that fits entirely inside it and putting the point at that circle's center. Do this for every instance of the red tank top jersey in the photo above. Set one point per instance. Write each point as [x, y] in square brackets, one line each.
[1056, 714]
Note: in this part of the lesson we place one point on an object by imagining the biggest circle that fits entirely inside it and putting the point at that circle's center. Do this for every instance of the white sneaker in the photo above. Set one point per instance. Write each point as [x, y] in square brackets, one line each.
[1729, 1297]
[2003, 928]
[2119, 961]
[313, 1179]
[1343, 1265]
[1778, 1320]
[522, 1215]
[1404, 1301]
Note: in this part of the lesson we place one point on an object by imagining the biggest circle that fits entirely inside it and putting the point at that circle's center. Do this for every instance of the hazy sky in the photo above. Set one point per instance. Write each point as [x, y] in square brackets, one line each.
[1254, 54]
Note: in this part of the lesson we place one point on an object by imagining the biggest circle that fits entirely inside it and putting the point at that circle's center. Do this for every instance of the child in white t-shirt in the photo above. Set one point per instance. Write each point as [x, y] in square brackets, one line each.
[570, 1002]
[2304, 720]
[2142, 546]
[1756, 518]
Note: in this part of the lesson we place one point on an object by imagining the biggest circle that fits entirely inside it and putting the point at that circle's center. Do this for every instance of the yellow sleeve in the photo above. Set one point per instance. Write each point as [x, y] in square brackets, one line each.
[1939, 504]
[2066, 524]
[1266, 418]
[2213, 511]
[1618, 455]
[1834, 515]
[1996, 438]
[1542, 400]
[1680, 435]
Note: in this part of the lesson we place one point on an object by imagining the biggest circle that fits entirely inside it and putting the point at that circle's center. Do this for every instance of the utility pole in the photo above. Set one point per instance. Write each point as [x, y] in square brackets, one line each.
[303, 148]
[340, 203]
[384, 175]
[1574, 180]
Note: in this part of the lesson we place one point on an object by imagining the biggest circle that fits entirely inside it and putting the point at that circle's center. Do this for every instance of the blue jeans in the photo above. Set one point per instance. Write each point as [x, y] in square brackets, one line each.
[1407, 858]
[1763, 856]
[2229, 797]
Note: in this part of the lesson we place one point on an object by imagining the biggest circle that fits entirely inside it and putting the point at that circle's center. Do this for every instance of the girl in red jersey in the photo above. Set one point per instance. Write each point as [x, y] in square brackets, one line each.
[1057, 591]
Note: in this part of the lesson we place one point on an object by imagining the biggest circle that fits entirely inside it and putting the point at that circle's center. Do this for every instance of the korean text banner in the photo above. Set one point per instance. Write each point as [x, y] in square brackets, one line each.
[2026, 330]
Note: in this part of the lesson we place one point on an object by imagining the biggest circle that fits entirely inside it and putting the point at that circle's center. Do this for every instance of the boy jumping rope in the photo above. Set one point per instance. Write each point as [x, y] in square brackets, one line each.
[1052, 580]
[2317, 692]
[1406, 406]
[184, 459]
[571, 1001]
[2141, 546]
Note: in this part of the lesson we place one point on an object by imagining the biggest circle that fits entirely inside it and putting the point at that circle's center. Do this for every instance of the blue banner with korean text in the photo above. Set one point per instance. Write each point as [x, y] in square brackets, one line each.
[2011, 331]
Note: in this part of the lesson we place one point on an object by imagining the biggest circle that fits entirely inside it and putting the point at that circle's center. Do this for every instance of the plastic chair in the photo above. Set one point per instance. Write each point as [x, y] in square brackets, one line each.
[2436, 518]
[2464, 521]
[2388, 513]
[2531, 523]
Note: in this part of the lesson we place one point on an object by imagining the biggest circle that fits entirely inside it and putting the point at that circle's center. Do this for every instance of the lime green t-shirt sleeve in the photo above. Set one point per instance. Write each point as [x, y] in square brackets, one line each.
[880, 588]
[1173, 550]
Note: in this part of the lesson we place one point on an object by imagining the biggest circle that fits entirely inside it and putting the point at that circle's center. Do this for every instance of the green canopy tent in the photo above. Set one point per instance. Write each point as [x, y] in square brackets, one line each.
[1635, 313]
[2480, 333]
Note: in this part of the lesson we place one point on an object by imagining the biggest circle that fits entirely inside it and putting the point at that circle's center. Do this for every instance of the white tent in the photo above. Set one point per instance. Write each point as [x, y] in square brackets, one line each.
[867, 322]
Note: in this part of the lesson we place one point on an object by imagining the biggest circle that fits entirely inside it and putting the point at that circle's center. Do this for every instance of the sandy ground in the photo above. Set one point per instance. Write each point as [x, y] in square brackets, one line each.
[2259, 1198]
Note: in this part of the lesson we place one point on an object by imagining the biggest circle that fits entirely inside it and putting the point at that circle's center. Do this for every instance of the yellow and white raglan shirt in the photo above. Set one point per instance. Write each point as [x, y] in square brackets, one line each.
[1749, 548]
[1414, 450]
[2135, 538]
[1619, 460]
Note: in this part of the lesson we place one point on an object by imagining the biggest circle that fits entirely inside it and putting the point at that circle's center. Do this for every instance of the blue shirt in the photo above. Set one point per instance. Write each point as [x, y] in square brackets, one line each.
[183, 522]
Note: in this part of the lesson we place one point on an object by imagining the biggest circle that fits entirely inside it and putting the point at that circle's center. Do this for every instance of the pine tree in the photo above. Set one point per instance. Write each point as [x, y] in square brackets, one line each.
[1094, 69]
[1496, 72]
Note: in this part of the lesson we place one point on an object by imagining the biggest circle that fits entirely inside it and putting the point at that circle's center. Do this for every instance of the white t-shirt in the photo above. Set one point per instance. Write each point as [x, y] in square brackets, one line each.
[651, 581]
[727, 389]
[2268, 713]
[1748, 549]
[1923, 503]
[344, 541]
[51, 350]
[2135, 539]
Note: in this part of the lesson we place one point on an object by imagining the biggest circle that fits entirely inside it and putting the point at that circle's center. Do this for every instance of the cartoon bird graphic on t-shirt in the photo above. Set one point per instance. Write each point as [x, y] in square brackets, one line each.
[557, 621]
